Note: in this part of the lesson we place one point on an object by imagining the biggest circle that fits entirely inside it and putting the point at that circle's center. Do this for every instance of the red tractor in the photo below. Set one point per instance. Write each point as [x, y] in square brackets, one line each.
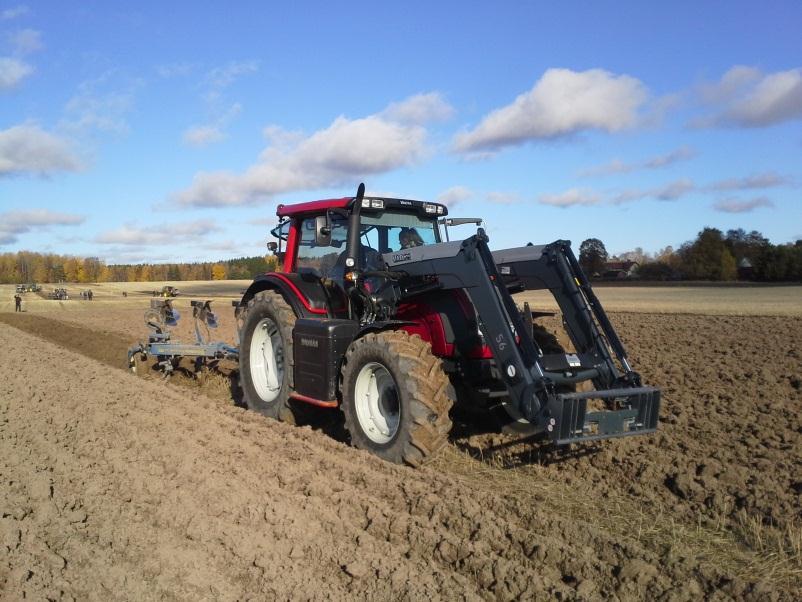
[375, 314]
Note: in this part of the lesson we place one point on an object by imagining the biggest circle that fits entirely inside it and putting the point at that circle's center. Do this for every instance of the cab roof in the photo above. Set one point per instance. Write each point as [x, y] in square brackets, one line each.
[372, 203]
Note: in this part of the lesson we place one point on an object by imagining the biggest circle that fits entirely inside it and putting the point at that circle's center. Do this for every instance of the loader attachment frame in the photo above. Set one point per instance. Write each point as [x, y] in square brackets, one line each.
[533, 388]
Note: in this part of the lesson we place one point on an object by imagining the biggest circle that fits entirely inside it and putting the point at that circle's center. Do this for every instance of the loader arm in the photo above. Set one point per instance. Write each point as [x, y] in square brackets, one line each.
[554, 267]
[521, 365]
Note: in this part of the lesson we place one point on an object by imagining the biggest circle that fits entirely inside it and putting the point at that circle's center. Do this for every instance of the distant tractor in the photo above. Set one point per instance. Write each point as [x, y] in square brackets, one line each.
[166, 291]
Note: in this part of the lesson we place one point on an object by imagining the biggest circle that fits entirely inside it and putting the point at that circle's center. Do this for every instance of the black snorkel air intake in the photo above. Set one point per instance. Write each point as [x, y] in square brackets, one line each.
[352, 263]
[356, 306]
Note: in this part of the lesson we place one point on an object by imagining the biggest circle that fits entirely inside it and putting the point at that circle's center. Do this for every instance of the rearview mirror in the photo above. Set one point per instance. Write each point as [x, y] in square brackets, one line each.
[322, 231]
[272, 246]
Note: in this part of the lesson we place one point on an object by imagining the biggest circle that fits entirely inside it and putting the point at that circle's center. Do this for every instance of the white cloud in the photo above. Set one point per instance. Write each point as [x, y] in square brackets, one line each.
[27, 149]
[561, 103]
[454, 195]
[40, 217]
[682, 153]
[222, 77]
[741, 206]
[203, 135]
[12, 72]
[101, 106]
[679, 188]
[211, 133]
[14, 12]
[756, 181]
[225, 245]
[14, 223]
[730, 84]
[746, 97]
[163, 234]
[672, 191]
[215, 82]
[341, 153]
[26, 41]
[502, 198]
[419, 109]
[264, 221]
[616, 166]
[570, 198]
[279, 138]
[171, 70]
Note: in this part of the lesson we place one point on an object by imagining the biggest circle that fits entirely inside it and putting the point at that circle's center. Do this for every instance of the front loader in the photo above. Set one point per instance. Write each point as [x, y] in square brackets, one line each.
[374, 314]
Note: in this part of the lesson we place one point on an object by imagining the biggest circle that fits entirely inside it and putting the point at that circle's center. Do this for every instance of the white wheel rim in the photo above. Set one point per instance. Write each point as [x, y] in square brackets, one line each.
[378, 408]
[267, 360]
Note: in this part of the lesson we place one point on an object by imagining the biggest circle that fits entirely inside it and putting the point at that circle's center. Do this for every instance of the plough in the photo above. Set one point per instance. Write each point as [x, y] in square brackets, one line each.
[160, 318]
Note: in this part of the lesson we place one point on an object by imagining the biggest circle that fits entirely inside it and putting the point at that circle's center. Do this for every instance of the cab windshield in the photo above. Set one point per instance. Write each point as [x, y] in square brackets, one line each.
[381, 232]
[390, 231]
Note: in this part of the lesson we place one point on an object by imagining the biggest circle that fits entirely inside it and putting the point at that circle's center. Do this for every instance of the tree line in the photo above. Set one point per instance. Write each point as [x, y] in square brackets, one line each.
[26, 266]
[712, 255]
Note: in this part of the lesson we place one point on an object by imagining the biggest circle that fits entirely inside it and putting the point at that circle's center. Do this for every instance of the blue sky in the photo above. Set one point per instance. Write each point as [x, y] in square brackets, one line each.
[153, 132]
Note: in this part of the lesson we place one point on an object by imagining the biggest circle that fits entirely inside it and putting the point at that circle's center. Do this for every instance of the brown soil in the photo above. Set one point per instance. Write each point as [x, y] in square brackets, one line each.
[117, 487]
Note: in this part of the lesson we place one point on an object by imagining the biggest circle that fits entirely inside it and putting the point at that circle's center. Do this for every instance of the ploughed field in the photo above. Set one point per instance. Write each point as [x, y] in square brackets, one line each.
[116, 486]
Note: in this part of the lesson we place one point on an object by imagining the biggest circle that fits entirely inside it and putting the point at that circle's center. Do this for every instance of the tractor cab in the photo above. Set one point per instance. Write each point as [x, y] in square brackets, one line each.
[314, 237]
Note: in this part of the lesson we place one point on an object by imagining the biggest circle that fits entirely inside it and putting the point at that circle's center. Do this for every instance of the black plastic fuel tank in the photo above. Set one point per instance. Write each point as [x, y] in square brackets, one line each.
[318, 348]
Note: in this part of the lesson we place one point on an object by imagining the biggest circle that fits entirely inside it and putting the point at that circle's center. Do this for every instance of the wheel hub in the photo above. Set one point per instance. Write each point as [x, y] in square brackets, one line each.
[377, 405]
[267, 360]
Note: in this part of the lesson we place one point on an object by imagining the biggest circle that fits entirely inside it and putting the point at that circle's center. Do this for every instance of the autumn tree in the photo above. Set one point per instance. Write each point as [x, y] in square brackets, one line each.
[71, 269]
[271, 263]
[219, 272]
[708, 257]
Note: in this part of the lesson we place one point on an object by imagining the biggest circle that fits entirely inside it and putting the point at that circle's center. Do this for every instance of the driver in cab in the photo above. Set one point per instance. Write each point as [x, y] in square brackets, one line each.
[409, 237]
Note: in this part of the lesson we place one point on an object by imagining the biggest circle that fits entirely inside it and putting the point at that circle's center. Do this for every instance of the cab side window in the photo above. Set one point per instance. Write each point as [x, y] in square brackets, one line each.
[321, 258]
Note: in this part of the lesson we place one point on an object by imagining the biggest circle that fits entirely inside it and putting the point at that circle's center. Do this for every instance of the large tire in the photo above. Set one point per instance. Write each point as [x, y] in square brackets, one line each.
[396, 397]
[266, 356]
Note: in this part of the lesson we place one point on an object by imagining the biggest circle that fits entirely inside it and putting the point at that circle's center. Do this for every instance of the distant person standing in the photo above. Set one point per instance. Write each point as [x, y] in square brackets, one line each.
[17, 303]
[90, 295]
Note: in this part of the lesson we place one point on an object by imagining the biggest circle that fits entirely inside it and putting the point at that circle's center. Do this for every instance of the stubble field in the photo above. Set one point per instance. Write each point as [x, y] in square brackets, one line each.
[122, 487]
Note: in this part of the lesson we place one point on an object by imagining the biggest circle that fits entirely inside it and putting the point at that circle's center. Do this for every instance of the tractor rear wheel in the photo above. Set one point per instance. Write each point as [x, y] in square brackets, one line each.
[265, 359]
[396, 397]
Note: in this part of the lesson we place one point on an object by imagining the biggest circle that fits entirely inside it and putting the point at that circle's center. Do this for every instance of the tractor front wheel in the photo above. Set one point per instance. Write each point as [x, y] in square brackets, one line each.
[266, 360]
[396, 397]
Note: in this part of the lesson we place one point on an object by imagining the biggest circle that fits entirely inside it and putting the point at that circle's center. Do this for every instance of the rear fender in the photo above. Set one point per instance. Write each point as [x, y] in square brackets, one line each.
[306, 296]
